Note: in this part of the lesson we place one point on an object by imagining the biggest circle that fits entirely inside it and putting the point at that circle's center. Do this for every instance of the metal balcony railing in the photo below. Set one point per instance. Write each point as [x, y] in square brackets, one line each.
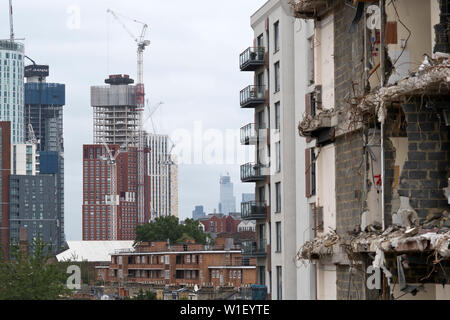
[253, 210]
[252, 58]
[252, 96]
[251, 172]
[254, 248]
[249, 134]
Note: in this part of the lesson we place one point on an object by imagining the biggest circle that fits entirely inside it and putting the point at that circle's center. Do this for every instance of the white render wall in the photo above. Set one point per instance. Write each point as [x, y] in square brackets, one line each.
[294, 215]
[21, 163]
[303, 30]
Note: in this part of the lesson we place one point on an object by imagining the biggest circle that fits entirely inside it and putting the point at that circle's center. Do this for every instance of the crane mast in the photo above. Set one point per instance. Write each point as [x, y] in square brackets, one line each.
[112, 198]
[140, 105]
[11, 22]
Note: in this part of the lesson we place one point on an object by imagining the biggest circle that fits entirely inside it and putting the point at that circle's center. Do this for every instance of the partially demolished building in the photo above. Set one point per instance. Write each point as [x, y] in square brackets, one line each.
[379, 116]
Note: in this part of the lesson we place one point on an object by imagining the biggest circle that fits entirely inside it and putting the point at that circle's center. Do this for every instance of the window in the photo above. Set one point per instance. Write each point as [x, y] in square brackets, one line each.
[278, 197]
[261, 124]
[278, 230]
[278, 156]
[279, 283]
[262, 275]
[310, 57]
[277, 76]
[276, 36]
[277, 116]
[261, 194]
[260, 41]
[313, 173]
[260, 81]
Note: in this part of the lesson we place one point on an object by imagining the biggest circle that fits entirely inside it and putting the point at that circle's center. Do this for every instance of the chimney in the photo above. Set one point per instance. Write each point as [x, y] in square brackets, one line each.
[23, 239]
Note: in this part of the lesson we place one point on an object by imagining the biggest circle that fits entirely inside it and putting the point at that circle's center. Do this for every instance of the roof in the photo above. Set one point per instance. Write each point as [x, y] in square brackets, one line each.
[92, 251]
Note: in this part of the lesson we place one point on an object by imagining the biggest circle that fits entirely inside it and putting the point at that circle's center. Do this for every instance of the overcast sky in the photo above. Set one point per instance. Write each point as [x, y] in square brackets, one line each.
[192, 65]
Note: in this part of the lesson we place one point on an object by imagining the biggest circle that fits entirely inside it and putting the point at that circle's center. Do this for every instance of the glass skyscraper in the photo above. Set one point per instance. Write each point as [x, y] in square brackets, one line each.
[11, 88]
[227, 199]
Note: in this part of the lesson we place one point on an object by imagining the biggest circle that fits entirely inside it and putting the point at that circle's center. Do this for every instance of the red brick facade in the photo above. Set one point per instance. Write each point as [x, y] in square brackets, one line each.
[216, 224]
[5, 155]
[189, 264]
[96, 187]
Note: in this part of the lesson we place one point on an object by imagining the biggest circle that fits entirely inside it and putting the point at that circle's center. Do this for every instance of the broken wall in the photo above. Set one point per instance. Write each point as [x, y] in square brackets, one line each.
[427, 168]
[348, 74]
[408, 35]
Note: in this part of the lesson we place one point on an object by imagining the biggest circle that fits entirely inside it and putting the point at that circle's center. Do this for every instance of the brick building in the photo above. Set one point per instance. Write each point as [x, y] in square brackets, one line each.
[159, 263]
[97, 193]
[5, 166]
[378, 121]
[219, 223]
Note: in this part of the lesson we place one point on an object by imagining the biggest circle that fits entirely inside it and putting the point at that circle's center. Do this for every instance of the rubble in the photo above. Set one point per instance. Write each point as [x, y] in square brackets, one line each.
[326, 118]
[319, 246]
[307, 9]
[434, 79]
[394, 239]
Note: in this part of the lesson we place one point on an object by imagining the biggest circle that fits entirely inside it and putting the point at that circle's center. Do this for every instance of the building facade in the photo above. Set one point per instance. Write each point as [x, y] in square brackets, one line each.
[5, 166]
[158, 263]
[101, 178]
[227, 199]
[34, 209]
[12, 88]
[278, 59]
[43, 121]
[163, 175]
[219, 223]
[24, 159]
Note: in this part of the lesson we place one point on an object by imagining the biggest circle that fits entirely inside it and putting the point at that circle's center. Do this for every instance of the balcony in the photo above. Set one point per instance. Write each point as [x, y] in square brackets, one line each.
[253, 210]
[253, 96]
[252, 58]
[254, 248]
[251, 172]
[249, 135]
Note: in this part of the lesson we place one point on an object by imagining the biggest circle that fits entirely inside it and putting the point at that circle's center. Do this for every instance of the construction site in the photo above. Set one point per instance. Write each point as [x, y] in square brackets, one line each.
[118, 169]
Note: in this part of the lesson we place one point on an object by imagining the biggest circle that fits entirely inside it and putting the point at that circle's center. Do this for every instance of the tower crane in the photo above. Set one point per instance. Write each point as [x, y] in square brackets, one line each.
[12, 37]
[11, 22]
[140, 99]
[113, 198]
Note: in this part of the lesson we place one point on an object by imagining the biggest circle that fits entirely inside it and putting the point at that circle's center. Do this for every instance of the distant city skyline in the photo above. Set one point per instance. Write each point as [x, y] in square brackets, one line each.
[95, 45]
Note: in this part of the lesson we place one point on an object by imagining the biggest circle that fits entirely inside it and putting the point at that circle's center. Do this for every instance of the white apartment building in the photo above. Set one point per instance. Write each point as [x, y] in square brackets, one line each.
[279, 60]
[11, 87]
[163, 175]
[24, 159]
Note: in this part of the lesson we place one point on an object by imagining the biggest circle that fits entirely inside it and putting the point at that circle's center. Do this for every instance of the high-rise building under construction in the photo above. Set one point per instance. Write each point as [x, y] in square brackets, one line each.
[116, 118]
[111, 164]
[43, 117]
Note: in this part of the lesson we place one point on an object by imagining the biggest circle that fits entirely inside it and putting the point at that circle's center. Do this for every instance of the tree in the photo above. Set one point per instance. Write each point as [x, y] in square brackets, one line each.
[33, 275]
[164, 228]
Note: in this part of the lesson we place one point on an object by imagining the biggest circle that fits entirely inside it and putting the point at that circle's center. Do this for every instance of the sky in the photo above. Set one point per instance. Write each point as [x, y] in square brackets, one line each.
[192, 66]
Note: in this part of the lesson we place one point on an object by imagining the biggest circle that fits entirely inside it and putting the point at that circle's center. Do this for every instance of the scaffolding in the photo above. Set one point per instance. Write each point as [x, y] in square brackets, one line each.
[116, 120]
